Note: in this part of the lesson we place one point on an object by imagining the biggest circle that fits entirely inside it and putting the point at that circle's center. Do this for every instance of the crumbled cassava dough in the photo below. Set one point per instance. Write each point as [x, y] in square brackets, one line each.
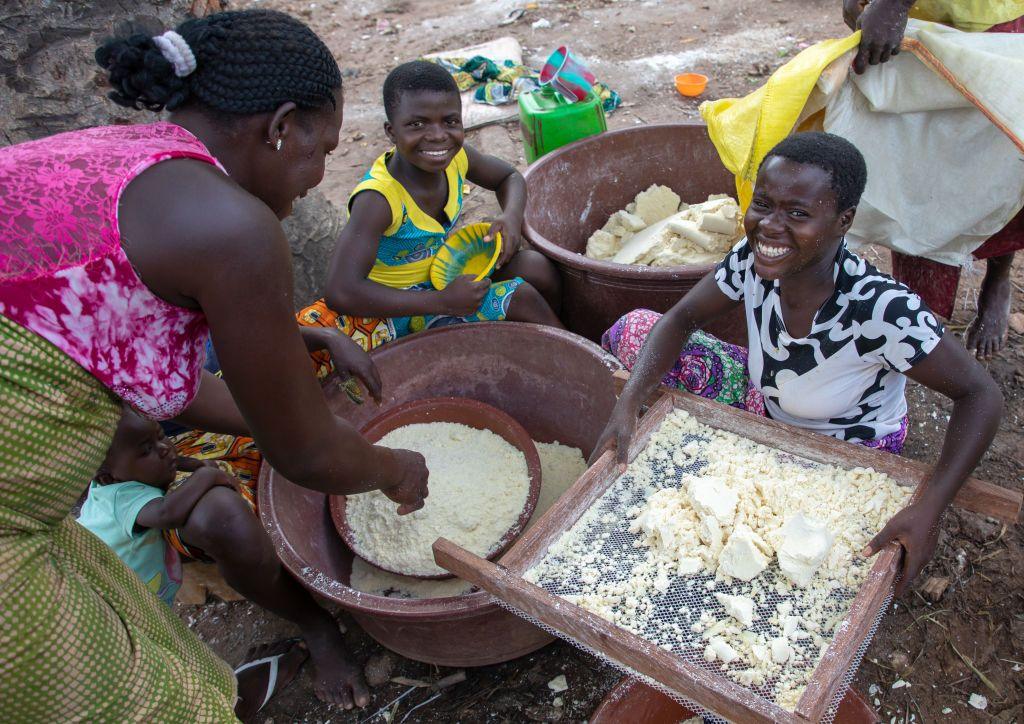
[658, 230]
[478, 487]
[668, 549]
[561, 466]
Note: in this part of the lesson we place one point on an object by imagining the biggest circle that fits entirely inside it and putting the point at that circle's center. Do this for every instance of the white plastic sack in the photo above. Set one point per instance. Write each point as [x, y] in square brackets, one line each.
[942, 176]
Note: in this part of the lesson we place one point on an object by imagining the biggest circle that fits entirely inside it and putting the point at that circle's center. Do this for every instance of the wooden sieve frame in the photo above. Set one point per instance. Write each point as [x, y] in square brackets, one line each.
[710, 689]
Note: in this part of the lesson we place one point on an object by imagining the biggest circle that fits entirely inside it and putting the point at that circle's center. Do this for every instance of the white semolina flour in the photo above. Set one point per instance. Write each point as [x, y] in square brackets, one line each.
[478, 487]
[561, 466]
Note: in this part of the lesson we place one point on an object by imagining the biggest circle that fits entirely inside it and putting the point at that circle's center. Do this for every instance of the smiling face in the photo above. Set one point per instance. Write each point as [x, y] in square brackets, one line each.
[792, 223]
[140, 451]
[426, 128]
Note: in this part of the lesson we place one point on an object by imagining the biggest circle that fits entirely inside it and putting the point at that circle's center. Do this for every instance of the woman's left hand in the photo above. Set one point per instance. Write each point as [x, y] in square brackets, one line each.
[350, 359]
[916, 528]
[511, 229]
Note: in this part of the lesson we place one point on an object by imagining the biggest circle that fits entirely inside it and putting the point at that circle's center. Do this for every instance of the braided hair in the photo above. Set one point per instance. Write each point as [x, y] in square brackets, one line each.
[246, 62]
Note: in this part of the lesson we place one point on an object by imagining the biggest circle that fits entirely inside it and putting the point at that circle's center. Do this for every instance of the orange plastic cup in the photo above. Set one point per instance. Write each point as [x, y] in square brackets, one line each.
[691, 84]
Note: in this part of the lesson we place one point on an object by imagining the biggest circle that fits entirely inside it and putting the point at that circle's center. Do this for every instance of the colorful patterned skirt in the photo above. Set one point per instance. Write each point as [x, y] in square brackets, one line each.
[81, 637]
[708, 367]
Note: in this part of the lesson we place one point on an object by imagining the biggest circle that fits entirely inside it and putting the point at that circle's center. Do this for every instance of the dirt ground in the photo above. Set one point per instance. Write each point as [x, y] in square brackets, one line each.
[969, 640]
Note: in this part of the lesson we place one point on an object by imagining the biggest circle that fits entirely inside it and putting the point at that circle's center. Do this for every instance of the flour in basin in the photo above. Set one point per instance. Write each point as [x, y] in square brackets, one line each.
[478, 488]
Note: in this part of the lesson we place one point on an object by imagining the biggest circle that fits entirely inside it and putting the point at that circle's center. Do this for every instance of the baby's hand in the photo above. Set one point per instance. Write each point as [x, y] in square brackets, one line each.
[211, 476]
[190, 465]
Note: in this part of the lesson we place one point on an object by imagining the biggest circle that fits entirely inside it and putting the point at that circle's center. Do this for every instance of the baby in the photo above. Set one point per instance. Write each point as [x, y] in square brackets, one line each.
[128, 504]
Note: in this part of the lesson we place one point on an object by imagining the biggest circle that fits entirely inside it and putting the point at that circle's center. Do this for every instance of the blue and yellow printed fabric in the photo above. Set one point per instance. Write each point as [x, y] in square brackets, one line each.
[409, 244]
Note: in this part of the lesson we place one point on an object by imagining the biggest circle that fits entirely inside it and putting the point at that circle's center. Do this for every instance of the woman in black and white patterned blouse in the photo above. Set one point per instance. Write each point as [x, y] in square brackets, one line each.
[831, 339]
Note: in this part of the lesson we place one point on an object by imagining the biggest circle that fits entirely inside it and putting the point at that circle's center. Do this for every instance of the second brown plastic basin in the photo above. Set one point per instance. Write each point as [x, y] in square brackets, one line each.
[633, 701]
[573, 191]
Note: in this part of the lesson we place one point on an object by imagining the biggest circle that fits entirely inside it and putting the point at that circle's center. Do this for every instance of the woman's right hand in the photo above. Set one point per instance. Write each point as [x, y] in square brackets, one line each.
[411, 489]
[882, 24]
[618, 432]
[463, 296]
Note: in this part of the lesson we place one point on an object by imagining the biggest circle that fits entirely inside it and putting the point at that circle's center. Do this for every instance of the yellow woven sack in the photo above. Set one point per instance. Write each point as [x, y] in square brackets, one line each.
[745, 129]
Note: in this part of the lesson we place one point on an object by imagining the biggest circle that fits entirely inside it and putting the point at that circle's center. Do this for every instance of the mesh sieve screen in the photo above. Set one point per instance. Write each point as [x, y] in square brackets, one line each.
[601, 564]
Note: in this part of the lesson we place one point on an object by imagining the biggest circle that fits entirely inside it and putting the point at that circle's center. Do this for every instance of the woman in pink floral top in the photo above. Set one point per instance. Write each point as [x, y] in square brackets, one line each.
[101, 297]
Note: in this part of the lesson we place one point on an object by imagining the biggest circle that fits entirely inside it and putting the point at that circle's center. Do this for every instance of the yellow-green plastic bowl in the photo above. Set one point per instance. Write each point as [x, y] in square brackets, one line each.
[465, 252]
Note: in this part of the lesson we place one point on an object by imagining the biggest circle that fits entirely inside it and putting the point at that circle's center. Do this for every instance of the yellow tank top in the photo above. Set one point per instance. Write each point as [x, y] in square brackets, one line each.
[973, 16]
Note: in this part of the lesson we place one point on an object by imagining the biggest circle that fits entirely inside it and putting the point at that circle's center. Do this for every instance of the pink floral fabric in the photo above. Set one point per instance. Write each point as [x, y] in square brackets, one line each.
[65, 276]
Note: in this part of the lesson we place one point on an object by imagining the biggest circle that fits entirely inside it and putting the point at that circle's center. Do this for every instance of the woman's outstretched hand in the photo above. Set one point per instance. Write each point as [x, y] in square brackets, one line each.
[618, 433]
[410, 491]
[916, 529]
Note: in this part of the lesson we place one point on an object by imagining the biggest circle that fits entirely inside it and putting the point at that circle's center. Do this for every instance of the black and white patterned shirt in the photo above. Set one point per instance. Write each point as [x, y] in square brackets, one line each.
[844, 378]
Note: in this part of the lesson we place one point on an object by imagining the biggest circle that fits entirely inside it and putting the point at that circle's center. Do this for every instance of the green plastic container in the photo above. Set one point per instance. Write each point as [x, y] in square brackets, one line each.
[549, 121]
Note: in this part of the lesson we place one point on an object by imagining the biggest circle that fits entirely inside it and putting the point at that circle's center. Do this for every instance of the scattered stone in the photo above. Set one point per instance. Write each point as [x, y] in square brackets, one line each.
[978, 701]
[1016, 322]
[543, 713]
[900, 662]
[900, 684]
[558, 684]
[541, 24]
[378, 669]
[934, 588]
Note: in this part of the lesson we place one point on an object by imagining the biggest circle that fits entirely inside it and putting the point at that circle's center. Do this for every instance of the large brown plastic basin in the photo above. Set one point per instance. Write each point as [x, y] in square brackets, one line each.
[555, 384]
[632, 701]
[574, 189]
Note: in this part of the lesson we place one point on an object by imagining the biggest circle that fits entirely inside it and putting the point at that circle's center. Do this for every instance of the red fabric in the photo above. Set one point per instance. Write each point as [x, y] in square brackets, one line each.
[937, 283]
[1010, 26]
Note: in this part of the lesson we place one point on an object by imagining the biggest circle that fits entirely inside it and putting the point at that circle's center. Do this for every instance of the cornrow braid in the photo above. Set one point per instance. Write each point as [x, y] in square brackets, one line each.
[247, 62]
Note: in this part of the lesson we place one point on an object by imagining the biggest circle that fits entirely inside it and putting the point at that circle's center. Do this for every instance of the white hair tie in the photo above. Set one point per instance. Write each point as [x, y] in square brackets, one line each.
[175, 49]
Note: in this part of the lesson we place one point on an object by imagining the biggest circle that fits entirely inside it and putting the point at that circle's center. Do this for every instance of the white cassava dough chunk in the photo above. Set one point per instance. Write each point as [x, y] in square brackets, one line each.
[805, 545]
[656, 229]
[713, 497]
[740, 608]
[656, 203]
[602, 245]
[745, 554]
[561, 466]
[478, 487]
